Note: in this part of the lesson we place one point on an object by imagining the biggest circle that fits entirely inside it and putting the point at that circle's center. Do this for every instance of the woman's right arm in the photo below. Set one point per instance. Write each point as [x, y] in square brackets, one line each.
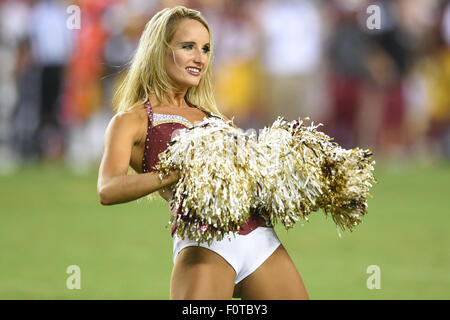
[114, 185]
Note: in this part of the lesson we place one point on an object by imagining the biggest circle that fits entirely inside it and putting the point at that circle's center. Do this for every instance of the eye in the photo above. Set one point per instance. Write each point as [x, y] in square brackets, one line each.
[206, 49]
[188, 46]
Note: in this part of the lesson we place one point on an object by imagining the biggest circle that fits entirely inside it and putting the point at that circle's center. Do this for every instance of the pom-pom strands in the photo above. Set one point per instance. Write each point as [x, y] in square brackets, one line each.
[289, 171]
[310, 172]
[292, 171]
[217, 183]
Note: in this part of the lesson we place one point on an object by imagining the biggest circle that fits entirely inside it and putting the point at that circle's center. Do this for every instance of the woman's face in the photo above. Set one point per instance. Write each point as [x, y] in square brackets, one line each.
[188, 54]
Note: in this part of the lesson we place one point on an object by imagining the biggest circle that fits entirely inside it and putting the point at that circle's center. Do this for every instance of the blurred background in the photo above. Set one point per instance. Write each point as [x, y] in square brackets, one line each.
[386, 89]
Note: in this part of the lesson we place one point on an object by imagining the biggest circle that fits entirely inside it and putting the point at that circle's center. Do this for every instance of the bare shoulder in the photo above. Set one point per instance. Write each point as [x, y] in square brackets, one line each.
[129, 123]
[134, 115]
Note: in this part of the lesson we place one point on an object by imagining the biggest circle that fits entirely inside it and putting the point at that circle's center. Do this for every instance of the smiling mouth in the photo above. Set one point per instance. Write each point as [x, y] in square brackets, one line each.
[193, 71]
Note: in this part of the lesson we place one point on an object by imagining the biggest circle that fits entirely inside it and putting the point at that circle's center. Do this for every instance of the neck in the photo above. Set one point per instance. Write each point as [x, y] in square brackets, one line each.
[175, 99]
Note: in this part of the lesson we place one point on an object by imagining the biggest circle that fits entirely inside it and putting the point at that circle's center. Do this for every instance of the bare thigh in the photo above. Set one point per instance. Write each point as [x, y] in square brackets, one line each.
[277, 278]
[200, 273]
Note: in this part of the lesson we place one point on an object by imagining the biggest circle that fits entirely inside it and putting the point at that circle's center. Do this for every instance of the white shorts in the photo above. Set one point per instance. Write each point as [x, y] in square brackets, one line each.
[245, 253]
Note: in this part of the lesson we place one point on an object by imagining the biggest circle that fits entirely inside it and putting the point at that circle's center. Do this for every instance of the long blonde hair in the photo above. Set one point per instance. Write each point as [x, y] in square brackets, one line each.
[147, 74]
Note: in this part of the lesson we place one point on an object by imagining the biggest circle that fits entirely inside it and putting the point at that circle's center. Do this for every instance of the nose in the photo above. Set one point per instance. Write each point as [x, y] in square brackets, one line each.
[200, 57]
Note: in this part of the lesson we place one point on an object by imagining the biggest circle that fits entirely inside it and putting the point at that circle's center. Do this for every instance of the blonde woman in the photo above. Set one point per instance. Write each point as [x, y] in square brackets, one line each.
[168, 87]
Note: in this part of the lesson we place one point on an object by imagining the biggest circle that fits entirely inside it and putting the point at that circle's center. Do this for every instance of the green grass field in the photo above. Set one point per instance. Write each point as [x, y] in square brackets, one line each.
[51, 219]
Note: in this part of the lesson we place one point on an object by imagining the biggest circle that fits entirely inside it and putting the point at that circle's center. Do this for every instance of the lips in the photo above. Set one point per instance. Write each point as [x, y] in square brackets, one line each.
[193, 71]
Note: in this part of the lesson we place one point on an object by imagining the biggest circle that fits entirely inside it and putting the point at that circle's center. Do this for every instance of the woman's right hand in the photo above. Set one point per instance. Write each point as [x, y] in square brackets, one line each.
[174, 176]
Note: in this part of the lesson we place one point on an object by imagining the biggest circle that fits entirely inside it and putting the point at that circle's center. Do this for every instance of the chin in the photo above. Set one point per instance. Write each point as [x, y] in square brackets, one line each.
[188, 84]
[192, 84]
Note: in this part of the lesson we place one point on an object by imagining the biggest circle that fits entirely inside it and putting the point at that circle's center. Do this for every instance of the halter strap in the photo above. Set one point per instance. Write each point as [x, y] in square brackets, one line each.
[148, 107]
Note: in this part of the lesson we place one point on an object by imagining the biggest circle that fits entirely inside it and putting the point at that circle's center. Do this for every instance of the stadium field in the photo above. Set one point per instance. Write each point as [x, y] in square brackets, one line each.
[51, 219]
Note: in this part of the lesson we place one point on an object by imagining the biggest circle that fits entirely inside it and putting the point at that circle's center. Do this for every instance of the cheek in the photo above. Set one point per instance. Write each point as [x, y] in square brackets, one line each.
[171, 67]
[175, 61]
[181, 58]
[168, 62]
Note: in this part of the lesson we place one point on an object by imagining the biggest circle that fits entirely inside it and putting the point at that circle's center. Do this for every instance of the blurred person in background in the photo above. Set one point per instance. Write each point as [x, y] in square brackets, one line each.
[390, 63]
[420, 22]
[169, 87]
[14, 54]
[27, 112]
[238, 70]
[436, 71]
[51, 45]
[83, 93]
[346, 50]
[291, 56]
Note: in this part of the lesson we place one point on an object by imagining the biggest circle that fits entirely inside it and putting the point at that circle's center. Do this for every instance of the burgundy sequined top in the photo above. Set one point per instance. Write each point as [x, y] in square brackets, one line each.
[159, 133]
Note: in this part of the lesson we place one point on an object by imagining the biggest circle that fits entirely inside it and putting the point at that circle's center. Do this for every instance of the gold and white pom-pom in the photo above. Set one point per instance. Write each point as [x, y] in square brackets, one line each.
[216, 187]
[289, 171]
[293, 180]
[349, 176]
[308, 172]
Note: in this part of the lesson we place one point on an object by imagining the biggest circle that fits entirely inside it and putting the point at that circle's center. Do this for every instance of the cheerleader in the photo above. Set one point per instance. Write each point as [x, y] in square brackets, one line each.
[169, 87]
